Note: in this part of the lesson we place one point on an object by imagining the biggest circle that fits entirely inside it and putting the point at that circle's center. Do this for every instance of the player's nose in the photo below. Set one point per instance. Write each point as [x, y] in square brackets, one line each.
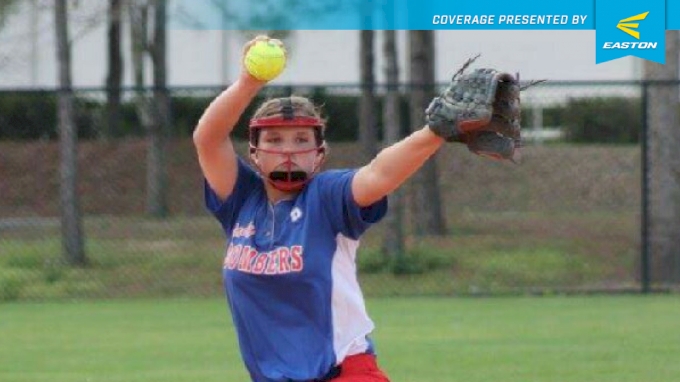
[288, 148]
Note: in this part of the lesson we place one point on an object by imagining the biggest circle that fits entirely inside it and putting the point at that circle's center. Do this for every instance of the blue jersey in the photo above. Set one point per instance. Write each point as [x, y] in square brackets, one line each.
[290, 274]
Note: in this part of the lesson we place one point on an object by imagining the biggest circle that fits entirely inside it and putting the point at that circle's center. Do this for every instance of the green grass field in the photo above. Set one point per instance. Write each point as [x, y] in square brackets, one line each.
[484, 254]
[510, 339]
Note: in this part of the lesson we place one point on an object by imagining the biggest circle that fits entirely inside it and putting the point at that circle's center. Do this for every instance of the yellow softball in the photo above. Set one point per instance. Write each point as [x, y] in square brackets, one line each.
[265, 60]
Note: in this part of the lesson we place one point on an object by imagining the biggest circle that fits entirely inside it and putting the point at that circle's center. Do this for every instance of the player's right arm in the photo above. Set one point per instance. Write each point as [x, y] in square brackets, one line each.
[216, 154]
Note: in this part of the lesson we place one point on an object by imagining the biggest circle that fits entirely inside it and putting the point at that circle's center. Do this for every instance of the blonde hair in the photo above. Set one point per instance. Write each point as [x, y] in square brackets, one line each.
[302, 107]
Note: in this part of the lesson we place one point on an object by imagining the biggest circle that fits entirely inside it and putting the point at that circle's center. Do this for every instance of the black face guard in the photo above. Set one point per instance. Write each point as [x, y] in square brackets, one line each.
[289, 178]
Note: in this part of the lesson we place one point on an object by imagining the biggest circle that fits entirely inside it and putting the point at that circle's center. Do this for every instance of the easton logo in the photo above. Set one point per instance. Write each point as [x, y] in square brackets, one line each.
[629, 27]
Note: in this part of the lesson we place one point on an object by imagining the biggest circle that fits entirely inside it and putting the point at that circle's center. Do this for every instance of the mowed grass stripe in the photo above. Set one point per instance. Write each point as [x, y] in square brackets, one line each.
[556, 339]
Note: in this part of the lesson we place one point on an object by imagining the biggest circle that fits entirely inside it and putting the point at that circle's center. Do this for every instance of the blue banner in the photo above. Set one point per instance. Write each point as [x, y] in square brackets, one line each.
[630, 28]
[672, 14]
[381, 15]
[622, 28]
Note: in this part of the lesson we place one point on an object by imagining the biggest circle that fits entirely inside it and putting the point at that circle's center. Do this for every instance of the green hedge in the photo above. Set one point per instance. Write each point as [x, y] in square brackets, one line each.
[603, 120]
[32, 115]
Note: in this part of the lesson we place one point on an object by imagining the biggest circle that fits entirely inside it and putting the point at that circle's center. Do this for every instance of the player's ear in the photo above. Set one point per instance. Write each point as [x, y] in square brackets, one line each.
[321, 154]
[253, 155]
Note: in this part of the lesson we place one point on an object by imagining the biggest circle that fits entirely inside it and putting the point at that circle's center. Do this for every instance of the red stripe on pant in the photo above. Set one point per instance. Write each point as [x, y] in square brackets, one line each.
[360, 368]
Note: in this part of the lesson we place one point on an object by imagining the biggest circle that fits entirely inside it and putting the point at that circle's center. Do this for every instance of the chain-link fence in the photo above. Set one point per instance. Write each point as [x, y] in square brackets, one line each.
[569, 218]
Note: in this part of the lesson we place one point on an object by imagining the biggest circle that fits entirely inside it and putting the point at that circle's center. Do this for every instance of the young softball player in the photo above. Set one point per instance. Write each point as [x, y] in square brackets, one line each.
[289, 272]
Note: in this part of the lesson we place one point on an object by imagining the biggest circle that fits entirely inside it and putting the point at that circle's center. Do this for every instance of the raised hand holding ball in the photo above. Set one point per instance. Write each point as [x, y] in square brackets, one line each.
[265, 59]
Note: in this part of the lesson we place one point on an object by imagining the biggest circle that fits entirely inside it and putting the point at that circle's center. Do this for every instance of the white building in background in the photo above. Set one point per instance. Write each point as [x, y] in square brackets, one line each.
[208, 58]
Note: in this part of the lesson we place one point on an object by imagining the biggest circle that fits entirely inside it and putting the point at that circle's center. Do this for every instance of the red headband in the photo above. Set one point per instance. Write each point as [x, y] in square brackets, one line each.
[279, 121]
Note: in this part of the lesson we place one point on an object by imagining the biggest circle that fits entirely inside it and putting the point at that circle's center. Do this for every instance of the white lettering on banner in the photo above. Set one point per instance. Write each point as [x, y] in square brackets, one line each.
[463, 19]
[629, 45]
[579, 19]
[533, 19]
[509, 19]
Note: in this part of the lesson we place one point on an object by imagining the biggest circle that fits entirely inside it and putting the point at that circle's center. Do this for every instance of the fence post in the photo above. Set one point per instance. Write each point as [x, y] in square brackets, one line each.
[644, 255]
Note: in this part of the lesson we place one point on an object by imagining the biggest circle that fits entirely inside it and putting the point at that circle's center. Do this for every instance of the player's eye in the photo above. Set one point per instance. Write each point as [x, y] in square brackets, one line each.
[273, 140]
[301, 140]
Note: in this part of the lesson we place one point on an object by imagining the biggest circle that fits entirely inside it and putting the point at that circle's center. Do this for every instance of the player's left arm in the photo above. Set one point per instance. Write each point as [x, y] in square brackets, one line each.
[393, 166]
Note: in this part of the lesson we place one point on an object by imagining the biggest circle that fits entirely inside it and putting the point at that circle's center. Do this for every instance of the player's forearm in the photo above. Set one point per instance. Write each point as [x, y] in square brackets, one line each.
[394, 165]
[220, 117]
